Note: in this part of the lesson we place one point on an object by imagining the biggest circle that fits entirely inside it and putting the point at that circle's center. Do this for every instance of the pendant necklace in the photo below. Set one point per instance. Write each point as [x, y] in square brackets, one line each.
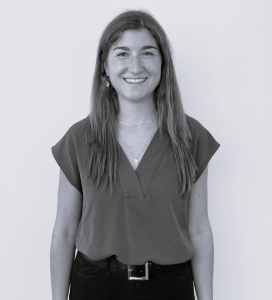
[136, 159]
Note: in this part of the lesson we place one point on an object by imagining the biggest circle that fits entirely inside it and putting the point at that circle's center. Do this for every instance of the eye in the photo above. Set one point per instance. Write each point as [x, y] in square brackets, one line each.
[148, 54]
[122, 54]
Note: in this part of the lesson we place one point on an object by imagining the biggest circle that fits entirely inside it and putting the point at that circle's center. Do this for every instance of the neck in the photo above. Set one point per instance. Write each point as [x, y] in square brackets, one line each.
[136, 112]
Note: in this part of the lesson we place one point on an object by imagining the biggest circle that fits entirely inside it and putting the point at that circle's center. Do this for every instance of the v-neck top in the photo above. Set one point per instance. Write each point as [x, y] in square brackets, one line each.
[144, 219]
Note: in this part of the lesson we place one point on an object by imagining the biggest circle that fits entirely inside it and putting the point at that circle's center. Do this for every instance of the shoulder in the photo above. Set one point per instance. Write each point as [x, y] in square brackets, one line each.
[78, 128]
[196, 128]
[199, 133]
[76, 132]
[203, 144]
[74, 137]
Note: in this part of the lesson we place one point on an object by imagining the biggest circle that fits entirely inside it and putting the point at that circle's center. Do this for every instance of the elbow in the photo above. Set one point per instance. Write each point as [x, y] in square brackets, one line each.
[63, 235]
[201, 232]
[202, 241]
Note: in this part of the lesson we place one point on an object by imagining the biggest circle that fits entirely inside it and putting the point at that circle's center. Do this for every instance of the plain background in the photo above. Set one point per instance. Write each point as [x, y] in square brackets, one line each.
[222, 54]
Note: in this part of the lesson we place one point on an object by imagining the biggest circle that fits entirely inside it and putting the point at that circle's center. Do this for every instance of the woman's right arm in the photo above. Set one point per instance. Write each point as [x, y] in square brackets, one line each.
[63, 238]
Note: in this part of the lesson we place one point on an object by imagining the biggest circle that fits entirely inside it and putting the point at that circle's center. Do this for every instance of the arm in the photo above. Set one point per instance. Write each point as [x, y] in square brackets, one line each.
[63, 238]
[201, 238]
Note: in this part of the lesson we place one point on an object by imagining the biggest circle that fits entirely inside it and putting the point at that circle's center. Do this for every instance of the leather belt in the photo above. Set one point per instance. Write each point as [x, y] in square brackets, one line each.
[134, 272]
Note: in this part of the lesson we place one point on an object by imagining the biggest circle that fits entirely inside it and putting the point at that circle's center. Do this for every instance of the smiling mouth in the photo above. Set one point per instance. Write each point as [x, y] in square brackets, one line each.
[135, 80]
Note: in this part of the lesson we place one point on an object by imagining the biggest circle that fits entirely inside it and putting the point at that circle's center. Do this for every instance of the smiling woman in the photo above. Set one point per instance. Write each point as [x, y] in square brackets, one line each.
[134, 66]
[133, 179]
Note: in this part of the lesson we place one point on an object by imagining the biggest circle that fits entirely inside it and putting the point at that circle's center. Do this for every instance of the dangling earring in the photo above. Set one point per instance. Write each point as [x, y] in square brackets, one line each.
[107, 81]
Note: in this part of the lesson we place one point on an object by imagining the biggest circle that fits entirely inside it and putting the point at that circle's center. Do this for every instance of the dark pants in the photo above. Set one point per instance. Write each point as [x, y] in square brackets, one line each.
[89, 282]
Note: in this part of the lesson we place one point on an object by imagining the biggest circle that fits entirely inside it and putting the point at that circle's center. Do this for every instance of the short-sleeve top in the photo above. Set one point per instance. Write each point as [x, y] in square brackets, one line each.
[145, 219]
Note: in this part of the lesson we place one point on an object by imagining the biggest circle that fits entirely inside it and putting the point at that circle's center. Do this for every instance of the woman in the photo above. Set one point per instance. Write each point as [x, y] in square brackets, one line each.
[133, 181]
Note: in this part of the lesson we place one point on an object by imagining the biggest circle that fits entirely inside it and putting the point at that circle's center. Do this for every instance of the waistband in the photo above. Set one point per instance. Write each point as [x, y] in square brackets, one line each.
[111, 264]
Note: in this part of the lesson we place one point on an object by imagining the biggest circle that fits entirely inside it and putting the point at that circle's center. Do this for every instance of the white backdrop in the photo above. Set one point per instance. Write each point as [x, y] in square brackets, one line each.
[222, 53]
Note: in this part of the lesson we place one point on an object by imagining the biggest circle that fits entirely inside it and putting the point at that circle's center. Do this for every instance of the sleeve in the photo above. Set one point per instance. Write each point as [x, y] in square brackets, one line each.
[65, 155]
[203, 146]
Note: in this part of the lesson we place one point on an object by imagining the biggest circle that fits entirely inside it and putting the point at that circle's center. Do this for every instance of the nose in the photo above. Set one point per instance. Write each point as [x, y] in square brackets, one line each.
[135, 65]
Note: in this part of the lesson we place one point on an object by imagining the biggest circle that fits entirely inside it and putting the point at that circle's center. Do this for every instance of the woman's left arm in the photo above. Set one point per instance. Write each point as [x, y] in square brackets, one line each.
[201, 238]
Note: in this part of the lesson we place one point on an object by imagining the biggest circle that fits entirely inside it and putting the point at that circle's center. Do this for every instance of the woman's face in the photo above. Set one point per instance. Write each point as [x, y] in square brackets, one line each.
[134, 65]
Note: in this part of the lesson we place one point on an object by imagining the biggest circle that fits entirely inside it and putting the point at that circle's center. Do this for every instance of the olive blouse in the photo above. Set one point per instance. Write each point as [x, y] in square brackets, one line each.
[145, 219]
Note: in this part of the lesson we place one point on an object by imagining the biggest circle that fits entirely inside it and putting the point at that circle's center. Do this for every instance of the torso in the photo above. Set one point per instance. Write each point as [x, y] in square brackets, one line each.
[136, 139]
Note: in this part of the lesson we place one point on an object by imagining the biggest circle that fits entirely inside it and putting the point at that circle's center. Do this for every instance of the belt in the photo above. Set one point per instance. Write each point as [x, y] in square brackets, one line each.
[134, 272]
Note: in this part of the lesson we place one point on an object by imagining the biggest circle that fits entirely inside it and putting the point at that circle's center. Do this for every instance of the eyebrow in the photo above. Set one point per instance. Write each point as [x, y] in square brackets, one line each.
[127, 49]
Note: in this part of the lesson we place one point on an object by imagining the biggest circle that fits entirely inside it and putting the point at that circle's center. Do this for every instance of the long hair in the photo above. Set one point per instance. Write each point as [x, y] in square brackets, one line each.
[101, 141]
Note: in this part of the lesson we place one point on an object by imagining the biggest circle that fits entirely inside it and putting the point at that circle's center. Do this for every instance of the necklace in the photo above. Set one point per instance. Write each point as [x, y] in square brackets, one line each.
[138, 124]
[136, 159]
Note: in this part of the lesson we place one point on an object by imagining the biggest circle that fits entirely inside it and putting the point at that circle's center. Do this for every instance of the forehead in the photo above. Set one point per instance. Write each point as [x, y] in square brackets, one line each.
[136, 38]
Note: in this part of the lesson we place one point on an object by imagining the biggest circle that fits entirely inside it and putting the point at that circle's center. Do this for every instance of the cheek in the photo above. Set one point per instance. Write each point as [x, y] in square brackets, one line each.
[155, 70]
[156, 74]
[158, 67]
[116, 68]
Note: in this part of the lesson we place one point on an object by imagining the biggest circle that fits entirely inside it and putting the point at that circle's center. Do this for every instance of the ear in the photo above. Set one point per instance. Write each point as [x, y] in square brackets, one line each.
[106, 68]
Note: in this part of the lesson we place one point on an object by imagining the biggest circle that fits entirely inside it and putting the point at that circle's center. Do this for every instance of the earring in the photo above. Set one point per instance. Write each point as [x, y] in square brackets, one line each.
[107, 81]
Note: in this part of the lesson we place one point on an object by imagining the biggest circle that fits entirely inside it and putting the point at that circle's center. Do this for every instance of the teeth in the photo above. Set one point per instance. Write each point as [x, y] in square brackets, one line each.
[135, 80]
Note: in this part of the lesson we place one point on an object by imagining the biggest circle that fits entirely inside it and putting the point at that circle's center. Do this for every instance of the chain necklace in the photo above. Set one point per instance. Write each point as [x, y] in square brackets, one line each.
[130, 125]
[136, 159]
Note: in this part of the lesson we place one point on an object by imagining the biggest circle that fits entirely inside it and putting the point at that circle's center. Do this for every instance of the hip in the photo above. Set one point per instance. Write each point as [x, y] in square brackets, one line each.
[88, 281]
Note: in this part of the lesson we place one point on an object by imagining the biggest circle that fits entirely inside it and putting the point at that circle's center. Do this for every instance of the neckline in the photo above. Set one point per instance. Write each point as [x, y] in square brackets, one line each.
[144, 154]
[135, 183]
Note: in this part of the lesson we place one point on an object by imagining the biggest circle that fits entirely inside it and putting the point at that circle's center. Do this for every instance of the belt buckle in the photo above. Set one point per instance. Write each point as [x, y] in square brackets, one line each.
[130, 277]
